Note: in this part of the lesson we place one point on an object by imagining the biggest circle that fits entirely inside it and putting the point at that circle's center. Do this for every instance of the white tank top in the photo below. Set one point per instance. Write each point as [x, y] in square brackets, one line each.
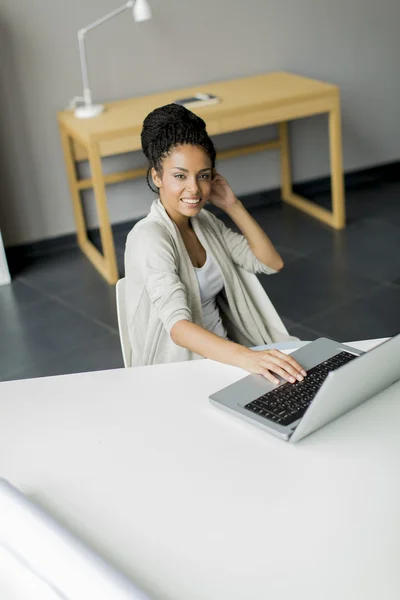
[211, 283]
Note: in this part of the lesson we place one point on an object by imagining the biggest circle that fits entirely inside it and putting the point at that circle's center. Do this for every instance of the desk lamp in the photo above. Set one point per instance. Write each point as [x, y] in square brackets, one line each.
[141, 12]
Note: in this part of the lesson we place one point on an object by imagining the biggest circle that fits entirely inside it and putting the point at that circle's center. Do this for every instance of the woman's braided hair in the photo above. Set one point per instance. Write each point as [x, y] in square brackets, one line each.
[170, 126]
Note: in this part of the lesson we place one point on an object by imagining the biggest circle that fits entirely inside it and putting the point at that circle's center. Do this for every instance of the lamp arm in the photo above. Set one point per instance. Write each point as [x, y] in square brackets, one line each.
[87, 94]
[114, 13]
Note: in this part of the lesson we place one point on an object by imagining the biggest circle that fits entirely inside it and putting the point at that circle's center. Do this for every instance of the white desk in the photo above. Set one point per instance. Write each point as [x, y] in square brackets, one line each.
[194, 504]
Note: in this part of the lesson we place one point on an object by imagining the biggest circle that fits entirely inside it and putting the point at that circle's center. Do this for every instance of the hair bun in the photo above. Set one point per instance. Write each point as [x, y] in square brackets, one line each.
[169, 126]
[170, 115]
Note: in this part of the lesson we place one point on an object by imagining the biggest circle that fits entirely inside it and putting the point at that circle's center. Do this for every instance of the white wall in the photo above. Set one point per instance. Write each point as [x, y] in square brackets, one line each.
[353, 43]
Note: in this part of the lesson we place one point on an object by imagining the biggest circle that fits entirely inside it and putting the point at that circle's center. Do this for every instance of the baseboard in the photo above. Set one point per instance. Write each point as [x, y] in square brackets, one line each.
[310, 189]
[352, 179]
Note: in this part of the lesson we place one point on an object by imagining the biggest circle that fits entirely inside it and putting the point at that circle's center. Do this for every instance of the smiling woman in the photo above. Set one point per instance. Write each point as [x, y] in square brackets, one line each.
[185, 184]
[185, 299]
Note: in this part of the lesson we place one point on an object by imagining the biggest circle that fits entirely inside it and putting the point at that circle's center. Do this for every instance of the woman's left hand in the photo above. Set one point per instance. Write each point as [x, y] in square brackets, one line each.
[222, 195]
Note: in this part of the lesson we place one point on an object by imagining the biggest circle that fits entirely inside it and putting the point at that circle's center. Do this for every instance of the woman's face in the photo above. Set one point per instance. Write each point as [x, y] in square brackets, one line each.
[185, 182]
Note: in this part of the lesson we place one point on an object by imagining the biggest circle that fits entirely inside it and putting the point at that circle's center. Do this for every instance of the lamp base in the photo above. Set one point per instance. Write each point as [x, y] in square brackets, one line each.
[89, 111]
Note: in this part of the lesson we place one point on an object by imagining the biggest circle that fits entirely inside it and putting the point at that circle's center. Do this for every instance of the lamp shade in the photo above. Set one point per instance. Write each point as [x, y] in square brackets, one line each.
[141, 11]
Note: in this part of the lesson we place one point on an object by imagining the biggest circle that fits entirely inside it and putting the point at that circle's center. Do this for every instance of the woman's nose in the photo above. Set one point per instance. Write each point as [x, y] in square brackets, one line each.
[192, 186]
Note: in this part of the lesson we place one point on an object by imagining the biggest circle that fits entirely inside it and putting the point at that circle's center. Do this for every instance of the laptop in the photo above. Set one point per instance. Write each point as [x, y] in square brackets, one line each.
[339, 378]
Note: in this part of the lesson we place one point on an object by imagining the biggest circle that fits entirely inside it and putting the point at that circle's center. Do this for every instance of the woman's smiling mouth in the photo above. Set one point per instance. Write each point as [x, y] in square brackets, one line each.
[191, 201]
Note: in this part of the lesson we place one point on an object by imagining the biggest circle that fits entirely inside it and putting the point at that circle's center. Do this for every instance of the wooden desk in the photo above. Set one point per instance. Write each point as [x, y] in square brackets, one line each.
[245, 103]
[194, 504]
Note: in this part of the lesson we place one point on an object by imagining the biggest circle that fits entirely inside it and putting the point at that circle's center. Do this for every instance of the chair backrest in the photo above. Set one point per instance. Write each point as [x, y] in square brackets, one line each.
[123, 323]
[261, 300]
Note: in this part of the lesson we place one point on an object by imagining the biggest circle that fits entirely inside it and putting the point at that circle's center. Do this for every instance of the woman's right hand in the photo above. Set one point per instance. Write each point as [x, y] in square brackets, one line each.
[270, 363]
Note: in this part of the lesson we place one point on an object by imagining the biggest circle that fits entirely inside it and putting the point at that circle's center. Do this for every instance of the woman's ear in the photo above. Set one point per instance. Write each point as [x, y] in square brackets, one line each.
[156, 178]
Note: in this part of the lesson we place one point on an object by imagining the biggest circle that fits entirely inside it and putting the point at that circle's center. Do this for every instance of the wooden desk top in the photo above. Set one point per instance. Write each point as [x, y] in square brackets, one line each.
[250, 94]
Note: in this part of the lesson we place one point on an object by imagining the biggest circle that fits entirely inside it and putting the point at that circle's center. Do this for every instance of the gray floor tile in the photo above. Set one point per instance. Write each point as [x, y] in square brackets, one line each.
[375, 315]
[120, 252]
[289, 324]
[22, 351]
[306, 287]
[370, 248]
[305, 333]
[379, 199]
[61, 272]
[287, 255]
[38, 332]
[292, 229]
[96, 355]
[15, 297]
[96, 302]
[394, 219]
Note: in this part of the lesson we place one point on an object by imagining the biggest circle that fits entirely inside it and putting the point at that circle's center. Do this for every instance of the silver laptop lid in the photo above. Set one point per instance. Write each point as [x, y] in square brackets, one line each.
[351, 385]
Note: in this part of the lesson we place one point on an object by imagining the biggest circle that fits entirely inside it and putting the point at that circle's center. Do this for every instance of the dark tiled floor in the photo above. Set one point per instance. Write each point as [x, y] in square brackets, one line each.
[58, 316]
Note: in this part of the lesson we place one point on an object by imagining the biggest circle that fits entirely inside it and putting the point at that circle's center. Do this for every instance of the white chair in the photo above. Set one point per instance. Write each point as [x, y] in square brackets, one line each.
[253, 288]
[4, 272]
[123, 323]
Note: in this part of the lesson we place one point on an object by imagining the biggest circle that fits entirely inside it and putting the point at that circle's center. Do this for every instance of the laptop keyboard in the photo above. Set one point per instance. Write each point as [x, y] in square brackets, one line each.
[289, 402]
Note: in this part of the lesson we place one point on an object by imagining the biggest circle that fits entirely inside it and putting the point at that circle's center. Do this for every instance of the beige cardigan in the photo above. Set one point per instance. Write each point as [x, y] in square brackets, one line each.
[162, 288]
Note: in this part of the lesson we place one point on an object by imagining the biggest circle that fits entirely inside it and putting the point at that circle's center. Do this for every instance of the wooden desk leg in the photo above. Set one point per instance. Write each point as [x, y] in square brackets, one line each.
[337, 179]
[107, 264]
[336, 217]
[69, 158]
[286, 176]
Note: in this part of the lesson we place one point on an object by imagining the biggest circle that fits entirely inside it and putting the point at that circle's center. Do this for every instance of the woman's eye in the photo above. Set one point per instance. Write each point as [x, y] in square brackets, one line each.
[202, 176]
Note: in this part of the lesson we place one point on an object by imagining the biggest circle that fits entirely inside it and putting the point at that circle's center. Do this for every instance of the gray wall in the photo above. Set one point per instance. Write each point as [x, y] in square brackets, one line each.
[354, 43]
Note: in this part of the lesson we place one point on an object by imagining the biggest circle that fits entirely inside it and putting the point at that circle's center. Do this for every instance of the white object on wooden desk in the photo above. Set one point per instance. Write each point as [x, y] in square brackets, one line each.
[194, 504]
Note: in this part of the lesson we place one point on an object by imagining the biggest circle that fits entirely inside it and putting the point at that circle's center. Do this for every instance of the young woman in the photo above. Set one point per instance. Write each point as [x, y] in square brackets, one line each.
[184, 297]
